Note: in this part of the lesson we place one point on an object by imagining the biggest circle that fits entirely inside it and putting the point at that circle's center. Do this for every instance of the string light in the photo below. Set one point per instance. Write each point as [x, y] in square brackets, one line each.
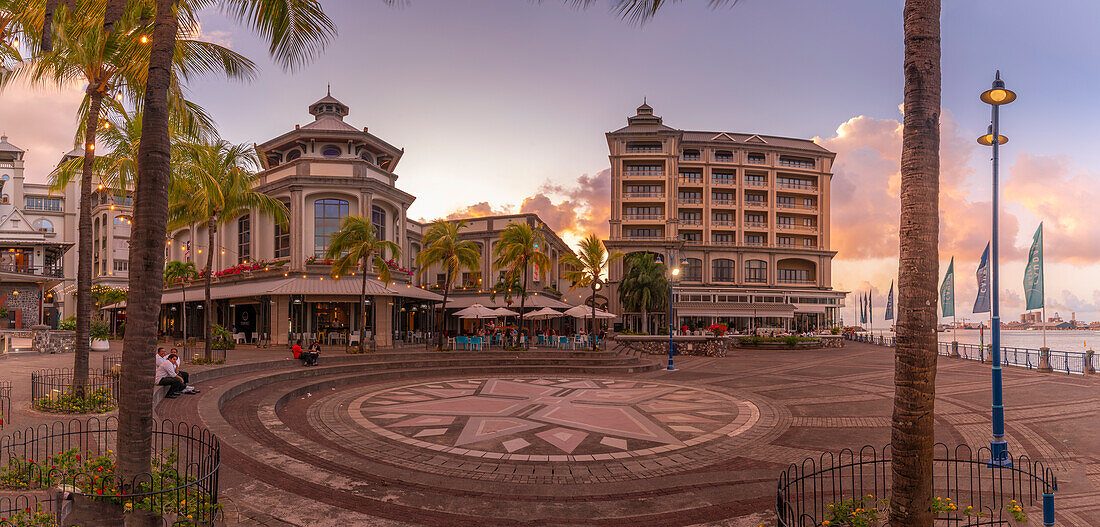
[144, 39]
[118, 96]
[91, 146]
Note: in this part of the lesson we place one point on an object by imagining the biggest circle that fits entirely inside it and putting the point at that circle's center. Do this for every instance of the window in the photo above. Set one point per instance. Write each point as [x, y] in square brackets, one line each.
[691, 196]
[643, 233]
[121, 221]
[691, 155]
[365, 156]
[723, 156]
[796, 162]
[122, 265]
[792, 275]
[378, 218]
[756, 271]
[755, 198]
[642, 213]
[724, 238]
[784, 241]
[282, 236]
[723, 218]
[693, 270]
[755, 158]
[643, 148]
[784, 220]
[723, 198]
[756, 180]
[327, 215]
[756, 240]
[48, 204]
[691, 218]
[807, 222]
[723, 178]
[244, 237]
[471, 279]
[807, 242]
[293, 154]
[722, 270]
[331, 151]
[691, 176]
[441, 279]
[808, 203]
[645, 170]
[755, 218]
[43, 225]
[691, 236]
[644, 191]
[786, 202]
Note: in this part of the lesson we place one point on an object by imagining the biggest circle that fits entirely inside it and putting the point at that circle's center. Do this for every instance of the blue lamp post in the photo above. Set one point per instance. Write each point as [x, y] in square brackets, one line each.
[996, 96]
[671, 321]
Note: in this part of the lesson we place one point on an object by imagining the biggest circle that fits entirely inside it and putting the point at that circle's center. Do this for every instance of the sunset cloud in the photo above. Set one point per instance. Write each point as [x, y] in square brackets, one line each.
[1062, 196]
[31, 119]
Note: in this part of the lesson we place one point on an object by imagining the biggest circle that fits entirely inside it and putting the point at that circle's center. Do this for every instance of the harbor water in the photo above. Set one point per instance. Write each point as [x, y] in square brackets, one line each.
[1059, 340]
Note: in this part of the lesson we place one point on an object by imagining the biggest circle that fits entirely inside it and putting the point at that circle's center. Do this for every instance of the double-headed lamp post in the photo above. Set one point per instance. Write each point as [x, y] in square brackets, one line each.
[996, 96]
[671, 321]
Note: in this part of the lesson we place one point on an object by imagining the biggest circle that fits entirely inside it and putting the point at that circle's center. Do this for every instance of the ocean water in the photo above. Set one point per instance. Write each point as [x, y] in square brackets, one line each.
[1061, 340]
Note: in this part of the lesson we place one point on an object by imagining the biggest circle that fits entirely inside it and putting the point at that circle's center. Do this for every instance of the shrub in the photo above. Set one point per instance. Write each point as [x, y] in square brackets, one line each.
[68, 323]
[95, 402]
[221, 337]
[101, 330]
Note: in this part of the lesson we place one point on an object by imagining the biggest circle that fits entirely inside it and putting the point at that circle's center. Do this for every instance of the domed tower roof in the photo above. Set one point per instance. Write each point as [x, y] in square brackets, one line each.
[8, 151]
[645, 116]
[328, 105]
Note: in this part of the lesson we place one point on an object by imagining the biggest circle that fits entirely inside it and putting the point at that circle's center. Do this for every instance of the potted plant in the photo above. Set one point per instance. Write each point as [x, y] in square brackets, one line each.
[101, 331]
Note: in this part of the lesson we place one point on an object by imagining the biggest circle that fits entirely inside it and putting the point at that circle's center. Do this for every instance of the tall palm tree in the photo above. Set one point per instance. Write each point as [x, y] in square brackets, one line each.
[296, 30]
[215, 187]
[507, 286]
[181, 272]
[643, 286]
[586, 269]
[517, 252]
[356, 245]
[443, 247]
[109, 63]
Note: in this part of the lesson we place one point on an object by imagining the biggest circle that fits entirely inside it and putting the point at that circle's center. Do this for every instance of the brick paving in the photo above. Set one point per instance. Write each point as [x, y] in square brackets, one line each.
[296, 451]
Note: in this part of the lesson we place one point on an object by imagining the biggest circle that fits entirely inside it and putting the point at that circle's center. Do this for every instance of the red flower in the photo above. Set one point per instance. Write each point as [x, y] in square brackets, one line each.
[99, 491]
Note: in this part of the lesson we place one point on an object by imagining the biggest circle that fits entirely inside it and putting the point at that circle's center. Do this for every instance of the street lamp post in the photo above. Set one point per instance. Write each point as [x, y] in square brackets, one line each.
[673, 273]
[996, 96]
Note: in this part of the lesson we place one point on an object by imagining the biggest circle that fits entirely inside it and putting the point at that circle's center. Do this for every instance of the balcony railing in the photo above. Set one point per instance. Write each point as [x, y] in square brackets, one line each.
[642, 237]
[794, 163]
[724, 242]
[795, 227]
[756, 160]
[689, 201]
[755, 183]
[644, 194]
[796, 185]
[794, 281]
[723, 159]
[691, 221]
[643, 216]
[691, 180]
[756, 244]
[692, 241]
[723, 223]
[52, 272]
[756, 224]
[794, 206]
[718, 201]
[756, 204]
[691, 157]
[728, 181]
[655, 149]
[644, 173]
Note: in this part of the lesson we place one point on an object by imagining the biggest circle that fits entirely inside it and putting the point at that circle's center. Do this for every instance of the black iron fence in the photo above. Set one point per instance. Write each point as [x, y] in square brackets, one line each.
[879, 340]
[968, 489]
[76, 459]
[198, 356]
[52, 385]
[5, 403]
[1068, 362]
[110, 362]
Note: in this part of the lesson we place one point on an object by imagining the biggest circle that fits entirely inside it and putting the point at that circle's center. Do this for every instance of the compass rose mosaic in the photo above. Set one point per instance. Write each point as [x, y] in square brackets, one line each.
[552, 419]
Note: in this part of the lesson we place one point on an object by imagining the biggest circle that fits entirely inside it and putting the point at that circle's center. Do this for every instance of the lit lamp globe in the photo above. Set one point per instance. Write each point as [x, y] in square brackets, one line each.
[987, 139]
[676, 271]
[998, 95]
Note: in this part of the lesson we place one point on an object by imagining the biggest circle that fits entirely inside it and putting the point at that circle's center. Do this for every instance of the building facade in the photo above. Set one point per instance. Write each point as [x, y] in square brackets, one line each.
[744, 216]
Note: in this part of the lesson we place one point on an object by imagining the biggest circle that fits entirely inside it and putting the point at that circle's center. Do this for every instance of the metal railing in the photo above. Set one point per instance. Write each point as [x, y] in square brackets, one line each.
[690, 201]
[756, 204]
[644, 194]
[690, 221]
[717, 201]
[53, 383]
[51, 271]
[693, 180]
[629, 217]
[110, 361]
[757, 224]
[755, 183]
[5, 403]
[723, 223]
[756, 160]
[77, 456]
[975, 491]
[793, 163]
[795, 185]
[1067, 362]
[723, 159]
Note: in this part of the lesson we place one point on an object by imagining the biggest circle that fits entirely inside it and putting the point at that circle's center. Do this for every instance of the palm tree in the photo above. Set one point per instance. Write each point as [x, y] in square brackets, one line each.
[443, 247]
[215, 186]
[643, 286]
[516, 252]
[296, 30]
[507, 286]
[108, 62]
[356, 245]
[585, 271]
[180, 272]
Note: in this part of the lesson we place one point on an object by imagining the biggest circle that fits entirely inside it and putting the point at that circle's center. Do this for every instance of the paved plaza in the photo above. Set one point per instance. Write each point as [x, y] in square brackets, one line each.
[441, 441]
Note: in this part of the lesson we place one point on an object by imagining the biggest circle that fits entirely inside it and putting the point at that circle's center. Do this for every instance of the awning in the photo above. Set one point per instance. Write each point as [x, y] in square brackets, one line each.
[297, 286]
[738, 310]
[409, 291]
[533, 302]
[116, 305]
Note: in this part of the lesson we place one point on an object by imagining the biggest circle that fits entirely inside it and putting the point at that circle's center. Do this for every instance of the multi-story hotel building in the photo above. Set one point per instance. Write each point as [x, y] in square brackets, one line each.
[744, 216]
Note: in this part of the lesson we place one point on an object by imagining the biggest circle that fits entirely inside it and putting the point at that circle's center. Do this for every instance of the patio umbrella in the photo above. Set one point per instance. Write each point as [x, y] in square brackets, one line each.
[477, 311]
[544, 313]
[586, 312]
[505, 312]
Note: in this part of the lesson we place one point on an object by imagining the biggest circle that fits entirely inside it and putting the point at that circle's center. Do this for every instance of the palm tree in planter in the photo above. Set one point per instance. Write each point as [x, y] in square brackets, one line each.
[108, 63]
[215, 185]
[356, 246]
[181, 272]
[644, 286]
[912, 435]
[443, 247]
[517, 252]
[585, 270]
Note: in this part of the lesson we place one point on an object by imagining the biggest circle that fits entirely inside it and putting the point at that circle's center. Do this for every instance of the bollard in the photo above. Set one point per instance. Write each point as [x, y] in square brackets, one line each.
[1048, 508]
[1044, 361]
[1089, 369]
[954, 349]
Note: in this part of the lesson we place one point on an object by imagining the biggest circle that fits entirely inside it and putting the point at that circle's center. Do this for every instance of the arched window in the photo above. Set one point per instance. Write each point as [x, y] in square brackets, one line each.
[327, 215]
[693, 271]
[365, 156]
[244, 237]
[331, 151]
[378, 218]
[293, 154]
[282, 236]
[43, 225]
[756, 271]
[723, 270]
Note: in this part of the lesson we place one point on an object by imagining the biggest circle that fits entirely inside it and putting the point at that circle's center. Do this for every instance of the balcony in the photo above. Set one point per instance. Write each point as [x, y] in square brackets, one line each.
[724, 242]
[644, 173]
[756, 160]
[691, 180]
[797, 185]
[691, 221]
[793, 206]
[636, 217]
[755, 244]
[795, 281]
[719, 158]
[691, 157]
[644, 195]
[689, 201]
[756, 225]
[644, 149]
[724, 223]
[725, 182]
[722, 202]
[643, 237]
[755, 183]
[754, 204]
[796, 227]
[692, 241]
[30, 270]
[796, 162]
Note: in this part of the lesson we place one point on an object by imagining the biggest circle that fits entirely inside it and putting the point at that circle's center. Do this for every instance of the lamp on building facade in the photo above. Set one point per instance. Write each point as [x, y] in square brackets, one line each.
[996, 97]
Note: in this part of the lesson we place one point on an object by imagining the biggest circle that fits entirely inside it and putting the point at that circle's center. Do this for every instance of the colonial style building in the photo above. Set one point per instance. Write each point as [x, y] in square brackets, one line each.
[37, 229]
[744, 216]
[273, 282]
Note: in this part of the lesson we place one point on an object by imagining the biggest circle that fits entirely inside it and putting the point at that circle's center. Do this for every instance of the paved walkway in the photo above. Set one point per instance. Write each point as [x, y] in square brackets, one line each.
[702, 445]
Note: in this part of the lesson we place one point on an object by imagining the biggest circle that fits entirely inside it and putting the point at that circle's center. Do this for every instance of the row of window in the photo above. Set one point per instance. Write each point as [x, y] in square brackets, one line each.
[756, 271]
[693, 154]
[46, 204]
[744, 299]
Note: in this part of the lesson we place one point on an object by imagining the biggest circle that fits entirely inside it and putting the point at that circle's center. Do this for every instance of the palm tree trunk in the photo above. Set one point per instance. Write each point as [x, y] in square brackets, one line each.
[209, 315]
[522, 303]
[183, 314]
[645, 321]
[592, 322]
[135, 415]
[443, 310]
[84, 249]
[363, 306]
[912, 435]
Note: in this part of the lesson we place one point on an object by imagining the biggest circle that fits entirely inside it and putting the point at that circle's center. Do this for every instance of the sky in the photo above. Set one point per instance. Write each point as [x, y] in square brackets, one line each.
[501, 106]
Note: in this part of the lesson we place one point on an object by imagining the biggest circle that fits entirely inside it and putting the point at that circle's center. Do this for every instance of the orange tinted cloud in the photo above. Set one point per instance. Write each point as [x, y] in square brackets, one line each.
[1062, 196]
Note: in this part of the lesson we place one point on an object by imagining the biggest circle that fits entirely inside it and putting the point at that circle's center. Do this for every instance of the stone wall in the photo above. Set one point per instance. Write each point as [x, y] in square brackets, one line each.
[45, 340]
[698, 345]
[26, 301]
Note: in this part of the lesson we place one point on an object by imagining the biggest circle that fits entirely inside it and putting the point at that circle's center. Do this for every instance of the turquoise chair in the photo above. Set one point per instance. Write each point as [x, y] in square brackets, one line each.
[464, 342]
